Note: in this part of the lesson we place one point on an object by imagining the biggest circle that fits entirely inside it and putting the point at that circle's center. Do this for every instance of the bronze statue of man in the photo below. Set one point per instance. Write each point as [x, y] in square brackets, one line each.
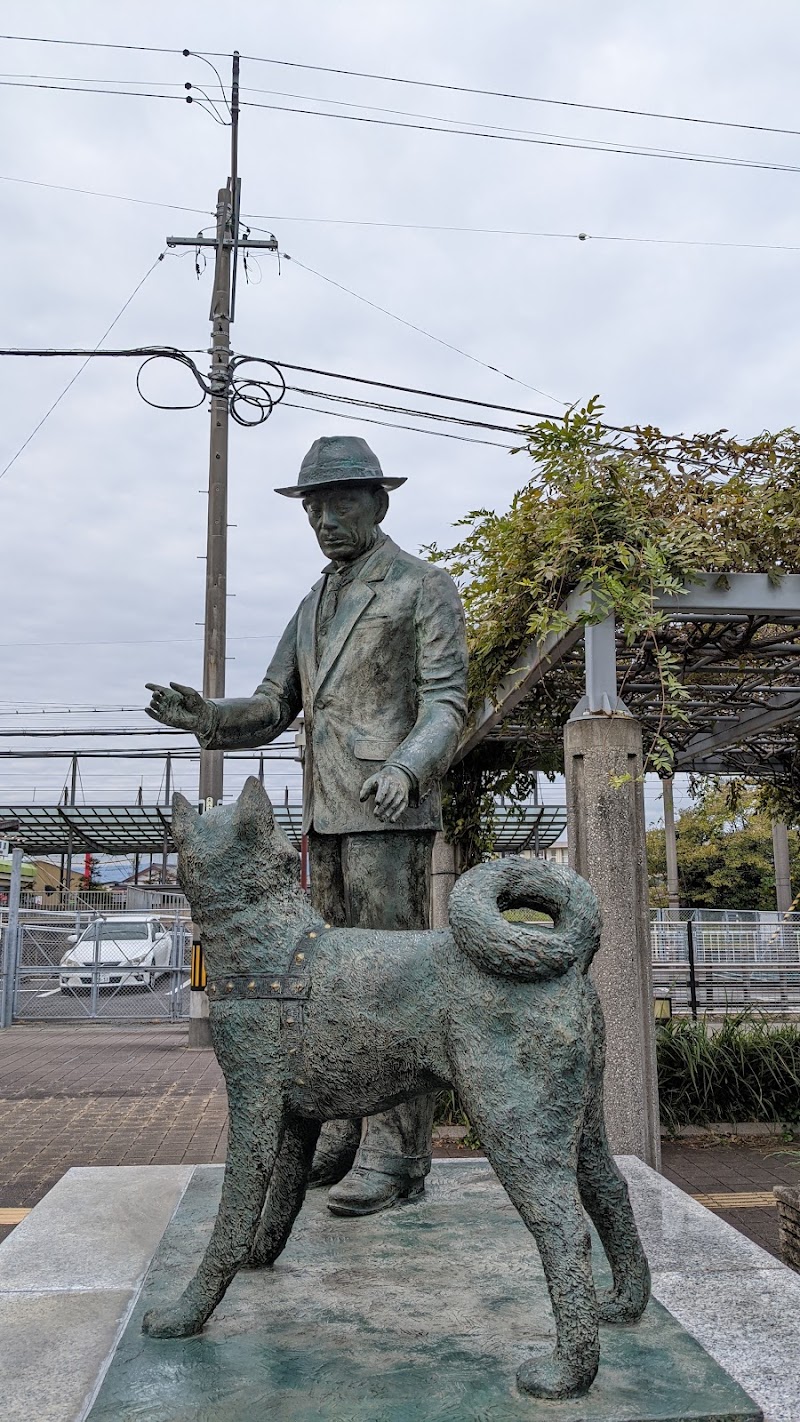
[375, 658]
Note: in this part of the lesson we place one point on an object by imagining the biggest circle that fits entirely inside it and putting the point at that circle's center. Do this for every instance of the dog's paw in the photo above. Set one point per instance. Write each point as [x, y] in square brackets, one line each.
[175, 1321]
[626, 1306]
[552, 1377]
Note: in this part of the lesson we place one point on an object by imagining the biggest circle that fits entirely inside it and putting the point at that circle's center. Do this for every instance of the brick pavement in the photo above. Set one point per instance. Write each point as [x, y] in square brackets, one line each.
[714, 1167]
[93, 1094]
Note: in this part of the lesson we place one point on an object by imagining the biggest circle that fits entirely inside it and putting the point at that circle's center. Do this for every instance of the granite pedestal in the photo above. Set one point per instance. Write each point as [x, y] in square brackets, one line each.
[423, 1313]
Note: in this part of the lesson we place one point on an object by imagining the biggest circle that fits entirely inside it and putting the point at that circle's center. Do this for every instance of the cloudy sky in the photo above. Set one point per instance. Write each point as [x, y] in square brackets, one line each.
[681, 308]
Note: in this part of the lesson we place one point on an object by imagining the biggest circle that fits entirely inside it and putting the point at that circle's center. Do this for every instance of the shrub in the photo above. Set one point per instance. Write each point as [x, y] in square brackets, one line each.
[747, 1069]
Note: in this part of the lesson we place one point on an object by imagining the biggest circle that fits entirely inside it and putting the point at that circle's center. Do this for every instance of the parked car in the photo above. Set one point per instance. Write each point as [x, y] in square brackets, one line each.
[131, 950]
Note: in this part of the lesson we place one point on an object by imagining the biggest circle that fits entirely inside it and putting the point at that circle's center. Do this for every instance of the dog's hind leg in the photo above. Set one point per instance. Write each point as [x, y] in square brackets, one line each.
[254, 1142]
[286, 1191]
[605, 1198]
[541, 1182]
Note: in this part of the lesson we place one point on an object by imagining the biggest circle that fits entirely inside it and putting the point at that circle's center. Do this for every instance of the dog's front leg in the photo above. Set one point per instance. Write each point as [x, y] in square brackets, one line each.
[286, 1191]
[254, 1142]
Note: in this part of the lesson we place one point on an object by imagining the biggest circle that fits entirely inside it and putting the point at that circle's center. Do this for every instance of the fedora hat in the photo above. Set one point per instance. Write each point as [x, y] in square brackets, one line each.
[338, 459]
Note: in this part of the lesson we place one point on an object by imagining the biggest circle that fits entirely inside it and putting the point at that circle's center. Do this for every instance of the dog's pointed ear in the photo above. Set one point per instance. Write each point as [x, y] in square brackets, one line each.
[253, 808]
[184, 816]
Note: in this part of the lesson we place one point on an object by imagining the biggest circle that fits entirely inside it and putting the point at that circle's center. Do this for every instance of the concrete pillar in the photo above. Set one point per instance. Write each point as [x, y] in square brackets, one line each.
[443, 877]
[199, 1025]
[673, 891]
[783, 875]
[606, 835]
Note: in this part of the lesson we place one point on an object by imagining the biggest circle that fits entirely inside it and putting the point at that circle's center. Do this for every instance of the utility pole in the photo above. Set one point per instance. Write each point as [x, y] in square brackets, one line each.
[227, 244]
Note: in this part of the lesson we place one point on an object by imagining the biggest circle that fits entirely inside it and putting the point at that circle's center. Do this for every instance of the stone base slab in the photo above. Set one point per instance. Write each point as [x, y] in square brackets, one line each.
[421, 1313]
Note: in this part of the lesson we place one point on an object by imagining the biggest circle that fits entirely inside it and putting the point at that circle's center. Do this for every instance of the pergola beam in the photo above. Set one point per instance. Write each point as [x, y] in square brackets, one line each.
[785, 707]
[531, 666]
[735, 594]
[728, 596]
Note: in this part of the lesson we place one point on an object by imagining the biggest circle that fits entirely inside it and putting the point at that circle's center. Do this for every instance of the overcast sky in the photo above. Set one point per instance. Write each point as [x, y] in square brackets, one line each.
[102, 522]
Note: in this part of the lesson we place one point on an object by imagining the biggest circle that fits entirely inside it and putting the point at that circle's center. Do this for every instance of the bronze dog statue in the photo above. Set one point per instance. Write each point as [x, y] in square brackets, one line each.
[312, 1023]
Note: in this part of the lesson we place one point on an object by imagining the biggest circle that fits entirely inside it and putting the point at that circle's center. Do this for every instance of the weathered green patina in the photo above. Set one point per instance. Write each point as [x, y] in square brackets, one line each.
[312, 1023]
[376, 660]
[418, 1315]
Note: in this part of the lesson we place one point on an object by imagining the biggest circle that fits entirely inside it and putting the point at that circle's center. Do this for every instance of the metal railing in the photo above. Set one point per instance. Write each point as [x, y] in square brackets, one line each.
[711, 961]
[134, 899]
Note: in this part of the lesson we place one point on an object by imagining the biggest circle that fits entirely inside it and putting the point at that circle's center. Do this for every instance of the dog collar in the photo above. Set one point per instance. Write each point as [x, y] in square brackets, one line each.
[292, 985]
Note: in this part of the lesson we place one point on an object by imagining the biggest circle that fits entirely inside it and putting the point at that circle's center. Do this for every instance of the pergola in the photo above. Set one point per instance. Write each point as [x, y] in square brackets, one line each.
[736, 638]
[735, 642]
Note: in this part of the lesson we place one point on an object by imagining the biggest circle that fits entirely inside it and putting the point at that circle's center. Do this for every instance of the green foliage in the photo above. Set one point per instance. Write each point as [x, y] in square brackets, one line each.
[747, 1070]
[448, 1111]
[724, 853]
[633, 512]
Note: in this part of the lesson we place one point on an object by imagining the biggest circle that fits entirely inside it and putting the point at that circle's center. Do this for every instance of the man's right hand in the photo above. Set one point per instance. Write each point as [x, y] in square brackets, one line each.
[180, 706]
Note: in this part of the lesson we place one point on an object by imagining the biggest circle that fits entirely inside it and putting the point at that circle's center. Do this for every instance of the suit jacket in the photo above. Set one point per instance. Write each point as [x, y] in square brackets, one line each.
[387, 686]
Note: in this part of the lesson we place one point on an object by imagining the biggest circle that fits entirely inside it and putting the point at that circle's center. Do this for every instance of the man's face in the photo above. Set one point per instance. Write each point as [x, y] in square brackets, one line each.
[344, 520]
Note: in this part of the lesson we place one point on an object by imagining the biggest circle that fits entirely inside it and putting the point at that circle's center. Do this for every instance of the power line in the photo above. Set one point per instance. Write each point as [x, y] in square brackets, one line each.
[115, 197]
[93, 44]
[82, 367]
[416, 226]
[577, 144]
[649, 150]
[393, 424]
[422, 332]
[423, 84]
[139, 642]
[413, 390]
[524, 232]
[590, 146]
[78, 89]
[521, 98]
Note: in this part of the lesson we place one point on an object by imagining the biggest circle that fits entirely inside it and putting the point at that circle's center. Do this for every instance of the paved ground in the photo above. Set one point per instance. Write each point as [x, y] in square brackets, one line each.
[102, 1095]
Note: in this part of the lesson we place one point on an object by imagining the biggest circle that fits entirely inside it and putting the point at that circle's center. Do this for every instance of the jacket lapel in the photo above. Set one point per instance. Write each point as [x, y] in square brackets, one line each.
[355, 598]
[307, 634]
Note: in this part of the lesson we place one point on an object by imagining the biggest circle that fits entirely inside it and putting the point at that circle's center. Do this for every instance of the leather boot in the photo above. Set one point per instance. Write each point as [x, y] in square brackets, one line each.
[391, 1163]
[335, 1153]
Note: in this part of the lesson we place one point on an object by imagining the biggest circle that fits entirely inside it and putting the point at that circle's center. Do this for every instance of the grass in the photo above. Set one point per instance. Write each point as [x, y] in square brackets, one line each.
[747, 1069]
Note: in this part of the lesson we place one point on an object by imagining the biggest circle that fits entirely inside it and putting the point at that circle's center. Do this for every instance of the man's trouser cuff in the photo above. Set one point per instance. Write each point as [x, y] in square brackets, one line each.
[408, 1167]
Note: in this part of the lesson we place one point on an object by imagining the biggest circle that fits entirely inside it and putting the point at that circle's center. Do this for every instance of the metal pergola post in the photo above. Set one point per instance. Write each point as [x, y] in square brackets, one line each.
[11, 940]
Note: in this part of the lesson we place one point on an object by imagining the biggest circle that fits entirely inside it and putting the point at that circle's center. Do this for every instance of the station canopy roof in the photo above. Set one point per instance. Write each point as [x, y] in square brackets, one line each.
[145, 829]
[527, 827]
[105, 829]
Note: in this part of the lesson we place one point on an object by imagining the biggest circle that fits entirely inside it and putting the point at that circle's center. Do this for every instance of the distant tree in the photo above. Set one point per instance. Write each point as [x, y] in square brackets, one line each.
[724, 853]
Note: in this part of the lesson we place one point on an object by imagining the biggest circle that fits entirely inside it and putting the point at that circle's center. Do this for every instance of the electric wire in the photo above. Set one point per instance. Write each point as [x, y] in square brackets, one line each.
[591, 146]
[648, 149]
[418, 83]
[576, 144]
[421, 331]
[114, 197]
[414, 226]
[82, 367]
[393, 424]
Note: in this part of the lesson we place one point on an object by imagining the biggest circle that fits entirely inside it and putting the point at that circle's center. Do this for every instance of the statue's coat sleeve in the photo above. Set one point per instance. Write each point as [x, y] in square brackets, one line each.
[243, 722]
[441, 676]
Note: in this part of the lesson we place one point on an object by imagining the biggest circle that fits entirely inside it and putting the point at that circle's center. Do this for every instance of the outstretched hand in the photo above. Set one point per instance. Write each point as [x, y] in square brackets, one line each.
[179, 706]
[392, 790]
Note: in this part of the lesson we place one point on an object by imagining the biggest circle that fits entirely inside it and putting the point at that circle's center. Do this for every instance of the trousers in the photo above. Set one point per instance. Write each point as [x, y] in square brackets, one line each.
[380, 880]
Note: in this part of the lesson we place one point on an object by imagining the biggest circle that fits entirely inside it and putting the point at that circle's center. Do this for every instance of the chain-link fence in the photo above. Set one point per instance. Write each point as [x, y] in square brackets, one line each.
[79, 966]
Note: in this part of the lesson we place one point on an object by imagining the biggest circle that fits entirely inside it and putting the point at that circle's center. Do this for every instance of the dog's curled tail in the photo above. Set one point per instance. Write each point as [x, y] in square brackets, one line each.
[525, 950]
